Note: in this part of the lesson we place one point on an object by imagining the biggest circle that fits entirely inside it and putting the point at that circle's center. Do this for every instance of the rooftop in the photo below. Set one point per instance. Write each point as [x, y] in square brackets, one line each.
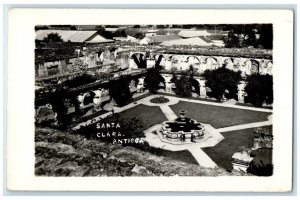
[163, 38]
[72, 35]
[196, 41]
[193, 33]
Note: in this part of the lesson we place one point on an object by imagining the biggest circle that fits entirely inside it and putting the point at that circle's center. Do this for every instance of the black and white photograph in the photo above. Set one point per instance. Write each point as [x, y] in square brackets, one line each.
[124, 99]
[153, 100]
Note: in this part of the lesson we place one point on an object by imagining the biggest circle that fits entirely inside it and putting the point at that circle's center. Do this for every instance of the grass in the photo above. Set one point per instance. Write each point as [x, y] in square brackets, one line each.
[148, 115]
[184, 156]
[219, 116]
[221, 153]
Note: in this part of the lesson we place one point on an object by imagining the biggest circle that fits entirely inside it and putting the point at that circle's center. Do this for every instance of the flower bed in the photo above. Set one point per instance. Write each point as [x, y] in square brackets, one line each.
[159, 100]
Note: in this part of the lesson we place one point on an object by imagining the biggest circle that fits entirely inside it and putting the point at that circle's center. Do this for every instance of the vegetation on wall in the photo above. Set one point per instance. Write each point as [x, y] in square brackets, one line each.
[79, 81]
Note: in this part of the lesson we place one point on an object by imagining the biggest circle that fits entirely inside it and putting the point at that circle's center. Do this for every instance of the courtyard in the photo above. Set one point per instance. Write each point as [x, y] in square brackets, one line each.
[230, 127]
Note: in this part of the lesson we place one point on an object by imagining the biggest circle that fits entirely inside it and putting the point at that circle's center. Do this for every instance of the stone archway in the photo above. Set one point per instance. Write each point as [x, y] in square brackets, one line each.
[159, 60]
[211, 63]
[196, 86]
[139, 59]
[254, 66]
[193, 61]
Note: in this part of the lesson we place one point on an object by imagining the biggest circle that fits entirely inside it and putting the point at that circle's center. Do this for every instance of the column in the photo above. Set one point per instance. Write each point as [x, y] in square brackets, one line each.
[202, 88]
[241, 92]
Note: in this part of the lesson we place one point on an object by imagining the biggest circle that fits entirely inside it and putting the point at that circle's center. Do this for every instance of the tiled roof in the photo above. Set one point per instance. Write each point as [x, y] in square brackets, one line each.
[163, 38]
[206, 39]
[193, 33]
[190, 41]
[67, 35]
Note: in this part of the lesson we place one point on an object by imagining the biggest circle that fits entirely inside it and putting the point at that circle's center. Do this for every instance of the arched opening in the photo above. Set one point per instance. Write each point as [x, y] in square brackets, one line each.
[254, 66]
[140, 60]
[196, 86]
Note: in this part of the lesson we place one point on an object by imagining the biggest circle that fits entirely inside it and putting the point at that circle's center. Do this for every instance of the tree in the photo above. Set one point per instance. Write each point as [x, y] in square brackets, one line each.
[152, 79]
[266, 36]
[119, 90]
[136, 26]
[120, 33]
[53, 37]
[138, 35]
[101, 31]
[259, 89]
[251, 39]
[261, 165]
[220, 80]
[160, 26]
[232, 40]
[58, 105]
[183, 85]
[243, 36]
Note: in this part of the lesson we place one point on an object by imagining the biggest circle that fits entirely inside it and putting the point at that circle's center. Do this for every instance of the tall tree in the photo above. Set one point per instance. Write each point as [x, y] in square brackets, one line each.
[259, 89]
[266, 36]
[220, 80]
[153, 79]
[119, 90]
[53, 37]
[183, 85]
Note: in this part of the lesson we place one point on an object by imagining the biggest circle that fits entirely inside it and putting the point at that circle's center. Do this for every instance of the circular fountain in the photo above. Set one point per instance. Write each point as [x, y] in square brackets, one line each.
[182, 129]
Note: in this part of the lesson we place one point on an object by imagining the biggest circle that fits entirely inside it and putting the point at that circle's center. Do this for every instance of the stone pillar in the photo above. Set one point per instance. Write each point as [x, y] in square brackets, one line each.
[269, 68]
[241, 92]
[60, 68]
[150, 63]
[202, 88]
[97, 100]
[140, 85]
[132, 86]
[106, 56]
[168, 83]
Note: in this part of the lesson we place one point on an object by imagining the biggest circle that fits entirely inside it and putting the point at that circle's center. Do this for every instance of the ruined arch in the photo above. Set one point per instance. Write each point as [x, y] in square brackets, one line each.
[196, 86]
[139, 59]
[254, 66]
[211, 63]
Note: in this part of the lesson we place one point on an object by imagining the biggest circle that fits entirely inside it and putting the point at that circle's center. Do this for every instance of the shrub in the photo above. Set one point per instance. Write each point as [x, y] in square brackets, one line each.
[261, 165]
[183, 86]
[220, 80]
[259, 89]
[152, 79]
[53, 37]
[58, 105]
[160, 99]
[119, 90]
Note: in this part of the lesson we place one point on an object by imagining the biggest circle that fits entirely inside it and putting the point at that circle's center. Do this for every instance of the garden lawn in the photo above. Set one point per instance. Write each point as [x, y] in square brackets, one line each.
[234, 140]
[183, 156]
[218, 116]
[148, 115]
